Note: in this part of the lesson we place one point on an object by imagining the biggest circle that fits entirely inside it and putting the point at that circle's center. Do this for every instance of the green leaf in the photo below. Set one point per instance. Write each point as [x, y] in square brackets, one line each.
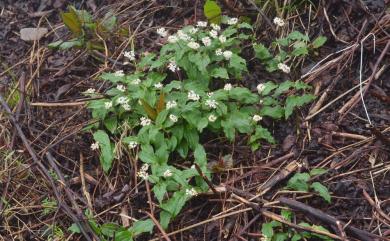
[159, 191]
[220, 73]
[294, 101]
[109, 21]
[107, 153]
[299, 182]
[319, 41]
[142, 226]
[268, 87]
[280, 237]
[245, 25]
[124, 235]
[317, 171]
[175, 203]
[261, 52]
[275, 112]
[165, 218]
[109, 229]
[212, 11]
[74, 228]
[296, 237]
[200, 156]
[268, 229]
[111, 123]
[296, 35]
[237, 63]
[243, 95]
[160, 105]
[147, 60]
[72, 22]
[287, 215]
[66, 44]
[301, 51]
[322, 191]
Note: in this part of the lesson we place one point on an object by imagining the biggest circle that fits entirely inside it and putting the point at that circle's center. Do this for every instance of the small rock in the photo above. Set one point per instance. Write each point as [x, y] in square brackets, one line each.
[32, 34]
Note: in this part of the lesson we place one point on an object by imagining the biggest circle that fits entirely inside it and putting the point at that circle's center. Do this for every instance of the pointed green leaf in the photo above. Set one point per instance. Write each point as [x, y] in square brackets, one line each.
[322, 191]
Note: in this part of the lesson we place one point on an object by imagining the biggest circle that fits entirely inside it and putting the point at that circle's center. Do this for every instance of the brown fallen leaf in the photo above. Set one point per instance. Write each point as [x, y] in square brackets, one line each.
[32, 34]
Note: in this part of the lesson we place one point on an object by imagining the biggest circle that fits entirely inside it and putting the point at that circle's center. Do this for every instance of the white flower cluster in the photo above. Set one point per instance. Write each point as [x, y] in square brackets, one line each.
[172, 66]
[212, 118]
[158, 85]
[171, 104]
[227, 87]
[119, 73]
[191, 192]
[201, 24]
[193, 96]
[283, 67]
[123, 101]
[162, 32]
[227, 54]
[206, 41]
[257, 118]
[193, 45]
[130, 55]
[133, 144]
[167, 173]
[136, 82]
[218, 52]
[145, 121]
[279, 22]
[143, 173]
[232, 21]
[121, 88]
[212, 104]
[95, 146]
[90, 91]
[260, 88]
[173, 118]
[107, 105]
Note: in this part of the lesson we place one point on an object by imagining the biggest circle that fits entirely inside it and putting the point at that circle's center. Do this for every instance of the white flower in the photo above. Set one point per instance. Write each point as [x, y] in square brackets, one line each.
[133, 144]
[172, 39]
[193, 30]
[209, 94]
[283, 67]
[260, 88]
[193, 45]
[227, 87]
[201, 24]
[136, 82]
[119, 73]
[257, 118]
[193, 167]
[108, 105]
[206, 41]
[183, 36]
[143, 174]
[122, 100]
[212, 104]
[171, 104]
[216, 27]
[232, 21]
[158, 85]
[95, 146]
[121, 88]
[222, 38]
[191, 192]
[193, 96]
[168, 173]
[173, 118]
[172, 66]
[145, 121]
[145, 167]
[90, 91]
[162, 32]
[227, 54]
[218, 52]
[126, 106]
[212, 118]
[213, 33]
[130, 55]
[279, 22]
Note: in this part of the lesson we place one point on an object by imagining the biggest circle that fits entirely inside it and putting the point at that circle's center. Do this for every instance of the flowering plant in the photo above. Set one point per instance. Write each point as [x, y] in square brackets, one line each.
[191, 87]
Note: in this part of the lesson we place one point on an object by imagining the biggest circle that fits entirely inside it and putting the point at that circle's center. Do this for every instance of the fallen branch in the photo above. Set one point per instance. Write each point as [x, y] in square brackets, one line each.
[330, 220]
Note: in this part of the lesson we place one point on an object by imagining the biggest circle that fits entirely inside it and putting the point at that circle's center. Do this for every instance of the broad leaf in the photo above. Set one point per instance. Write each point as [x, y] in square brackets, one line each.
[107, 153]
[299, 182]
[72, 22]
[318, 42]
[322, 191]
[212, 11]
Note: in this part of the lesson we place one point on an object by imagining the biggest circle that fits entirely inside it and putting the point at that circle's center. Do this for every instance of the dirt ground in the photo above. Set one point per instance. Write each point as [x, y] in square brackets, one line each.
[43, 89]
